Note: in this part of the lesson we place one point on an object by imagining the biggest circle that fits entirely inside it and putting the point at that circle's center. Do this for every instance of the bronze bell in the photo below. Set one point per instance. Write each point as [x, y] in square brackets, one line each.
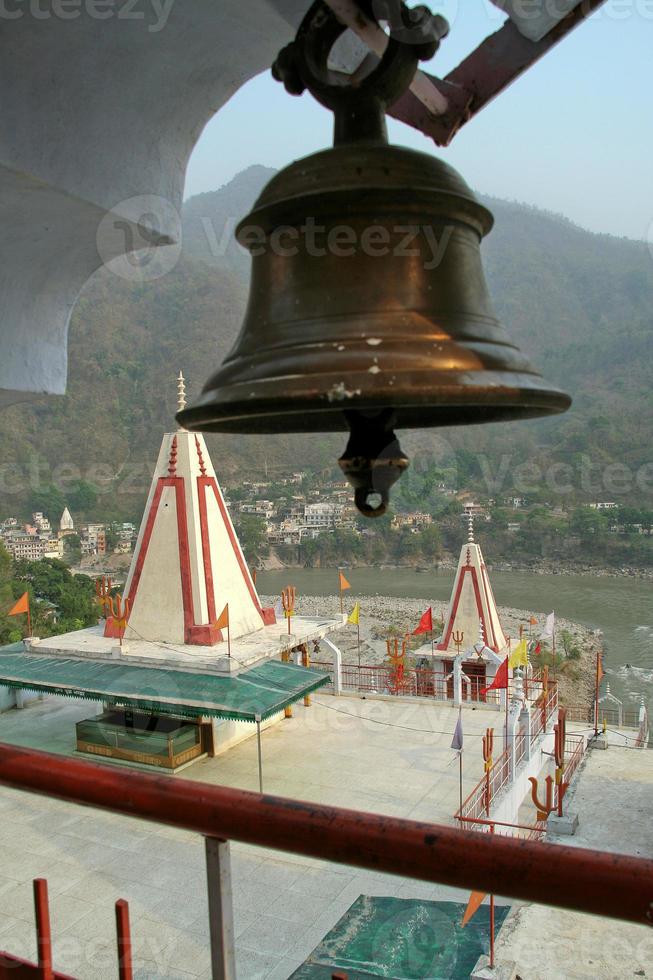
[368, 306]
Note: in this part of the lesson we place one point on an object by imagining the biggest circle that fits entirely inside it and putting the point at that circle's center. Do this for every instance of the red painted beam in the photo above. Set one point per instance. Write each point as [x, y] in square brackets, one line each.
[614, 885]
[482, 75]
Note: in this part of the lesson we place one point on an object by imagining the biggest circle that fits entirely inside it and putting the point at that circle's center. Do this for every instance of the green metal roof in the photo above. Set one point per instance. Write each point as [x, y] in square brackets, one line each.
[256, 694]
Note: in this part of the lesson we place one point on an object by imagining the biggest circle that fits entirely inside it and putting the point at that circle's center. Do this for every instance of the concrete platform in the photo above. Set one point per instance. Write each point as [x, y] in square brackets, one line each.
[265, 643]
[612, 795]
[392, 758]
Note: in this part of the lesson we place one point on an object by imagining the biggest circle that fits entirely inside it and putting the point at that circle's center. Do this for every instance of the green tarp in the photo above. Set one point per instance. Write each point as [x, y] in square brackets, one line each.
[402, 939]
[255, 694]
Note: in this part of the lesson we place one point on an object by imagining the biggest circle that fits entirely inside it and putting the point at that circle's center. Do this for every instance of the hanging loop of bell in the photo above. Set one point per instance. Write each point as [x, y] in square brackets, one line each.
[368, 308]
[358, 101]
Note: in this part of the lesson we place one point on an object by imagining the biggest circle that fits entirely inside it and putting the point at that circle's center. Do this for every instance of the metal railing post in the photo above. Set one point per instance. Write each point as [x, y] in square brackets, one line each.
[221, 910]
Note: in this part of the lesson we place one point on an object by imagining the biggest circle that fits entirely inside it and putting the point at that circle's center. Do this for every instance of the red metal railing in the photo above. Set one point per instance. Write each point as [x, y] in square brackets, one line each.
[569, 877]
[521, 744]
[535, 831]
[499, 773]
[16, 968]
[419, 682]
[477, 804]
[574, 752]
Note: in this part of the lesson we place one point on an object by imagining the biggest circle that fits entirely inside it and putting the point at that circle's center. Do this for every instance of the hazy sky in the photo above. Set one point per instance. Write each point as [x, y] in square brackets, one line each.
[573, 135]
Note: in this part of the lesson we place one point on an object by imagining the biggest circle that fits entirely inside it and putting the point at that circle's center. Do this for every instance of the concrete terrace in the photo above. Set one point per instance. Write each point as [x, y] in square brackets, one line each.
[342, 751]
[612, 795]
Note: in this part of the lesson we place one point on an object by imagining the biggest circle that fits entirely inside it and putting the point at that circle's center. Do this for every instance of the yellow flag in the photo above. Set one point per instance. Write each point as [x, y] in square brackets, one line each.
[519, 656]
[355, 615]
[475, 901]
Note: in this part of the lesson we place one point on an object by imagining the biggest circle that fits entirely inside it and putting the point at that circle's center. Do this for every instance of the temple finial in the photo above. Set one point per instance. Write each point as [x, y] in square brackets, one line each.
[470, 528]
[181, 396]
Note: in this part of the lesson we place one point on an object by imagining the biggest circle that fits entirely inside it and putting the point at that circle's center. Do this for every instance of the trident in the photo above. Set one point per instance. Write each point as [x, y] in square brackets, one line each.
[458, 636]
[119, 613]
[488, 746]
[544, 810]
[288, 602]
[103, 593]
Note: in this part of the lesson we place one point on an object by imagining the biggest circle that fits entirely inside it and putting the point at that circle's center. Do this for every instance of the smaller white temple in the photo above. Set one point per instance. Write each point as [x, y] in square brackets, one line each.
[472, 612]
[473, 644]
[66, 525]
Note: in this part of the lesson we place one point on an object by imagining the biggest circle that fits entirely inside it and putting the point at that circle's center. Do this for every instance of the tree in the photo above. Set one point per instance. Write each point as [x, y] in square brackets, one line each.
[111, 538]
[72, 549]
[253, 539]
[9, 632]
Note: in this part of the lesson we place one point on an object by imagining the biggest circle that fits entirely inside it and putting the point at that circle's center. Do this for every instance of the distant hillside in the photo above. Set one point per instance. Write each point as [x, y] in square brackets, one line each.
[580, 304]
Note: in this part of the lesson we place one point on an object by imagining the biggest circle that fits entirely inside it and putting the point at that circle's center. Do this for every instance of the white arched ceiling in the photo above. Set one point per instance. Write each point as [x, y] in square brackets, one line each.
[102, 104]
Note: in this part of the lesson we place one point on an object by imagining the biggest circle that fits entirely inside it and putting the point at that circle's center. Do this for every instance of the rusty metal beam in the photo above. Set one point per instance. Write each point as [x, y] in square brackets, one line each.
[614, 885]
[485, 73]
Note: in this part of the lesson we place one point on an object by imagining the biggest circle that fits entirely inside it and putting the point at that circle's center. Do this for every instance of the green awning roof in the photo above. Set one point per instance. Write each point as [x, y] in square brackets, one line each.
[256, 694]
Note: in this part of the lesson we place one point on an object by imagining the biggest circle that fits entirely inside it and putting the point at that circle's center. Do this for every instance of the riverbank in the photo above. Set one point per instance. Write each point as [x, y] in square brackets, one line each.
[539, 566]
[382, 616]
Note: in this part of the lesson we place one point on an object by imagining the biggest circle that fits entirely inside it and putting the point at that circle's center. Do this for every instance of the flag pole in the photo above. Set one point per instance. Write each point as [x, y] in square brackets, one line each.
[358, 633]
[460, 781]
[596, 696]
[492, 912]
[29, 619]
[340, 588]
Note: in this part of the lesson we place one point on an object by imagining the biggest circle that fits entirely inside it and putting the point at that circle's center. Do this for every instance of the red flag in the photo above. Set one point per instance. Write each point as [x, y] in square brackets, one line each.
[538, 647]
[425, 623]
[500, 682]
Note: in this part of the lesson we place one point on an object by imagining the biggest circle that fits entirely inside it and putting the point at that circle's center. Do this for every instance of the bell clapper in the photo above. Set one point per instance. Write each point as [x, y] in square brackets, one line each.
[373, 459]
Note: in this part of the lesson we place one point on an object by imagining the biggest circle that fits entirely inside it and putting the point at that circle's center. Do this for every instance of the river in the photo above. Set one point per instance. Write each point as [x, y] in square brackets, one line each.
[621, 607]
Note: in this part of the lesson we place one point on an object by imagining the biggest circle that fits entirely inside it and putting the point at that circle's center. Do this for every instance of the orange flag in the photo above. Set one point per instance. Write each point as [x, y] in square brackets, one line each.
[344, 584]
[533, 621]
[222, 621]
[476, 899]
[22, 606]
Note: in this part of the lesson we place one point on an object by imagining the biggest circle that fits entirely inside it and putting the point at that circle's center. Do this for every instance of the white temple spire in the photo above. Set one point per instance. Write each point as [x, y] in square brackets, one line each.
[181, 397]
[470, 528]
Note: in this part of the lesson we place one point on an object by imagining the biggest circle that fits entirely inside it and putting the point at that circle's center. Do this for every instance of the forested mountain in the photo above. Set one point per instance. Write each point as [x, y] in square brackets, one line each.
[580, 304]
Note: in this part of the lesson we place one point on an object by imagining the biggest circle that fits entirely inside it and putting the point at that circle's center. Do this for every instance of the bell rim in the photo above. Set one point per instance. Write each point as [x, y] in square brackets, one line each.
[491, 399]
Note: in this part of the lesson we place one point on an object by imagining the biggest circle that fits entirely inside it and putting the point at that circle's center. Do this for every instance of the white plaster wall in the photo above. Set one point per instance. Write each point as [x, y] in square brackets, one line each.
[229, 733]
[158, 612]
[228, 581]
[97, 112]
[506, 804]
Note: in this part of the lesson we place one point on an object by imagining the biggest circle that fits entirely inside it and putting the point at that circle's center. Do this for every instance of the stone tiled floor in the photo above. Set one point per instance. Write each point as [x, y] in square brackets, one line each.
[385, 757]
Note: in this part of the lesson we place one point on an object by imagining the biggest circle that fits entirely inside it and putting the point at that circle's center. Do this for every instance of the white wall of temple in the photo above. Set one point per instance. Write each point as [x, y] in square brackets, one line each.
[227, 733]
[506, 804]
[158, 610]
[230, 580]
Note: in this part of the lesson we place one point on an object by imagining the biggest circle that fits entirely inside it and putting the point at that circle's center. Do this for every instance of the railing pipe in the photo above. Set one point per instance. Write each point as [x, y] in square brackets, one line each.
[614, 885]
